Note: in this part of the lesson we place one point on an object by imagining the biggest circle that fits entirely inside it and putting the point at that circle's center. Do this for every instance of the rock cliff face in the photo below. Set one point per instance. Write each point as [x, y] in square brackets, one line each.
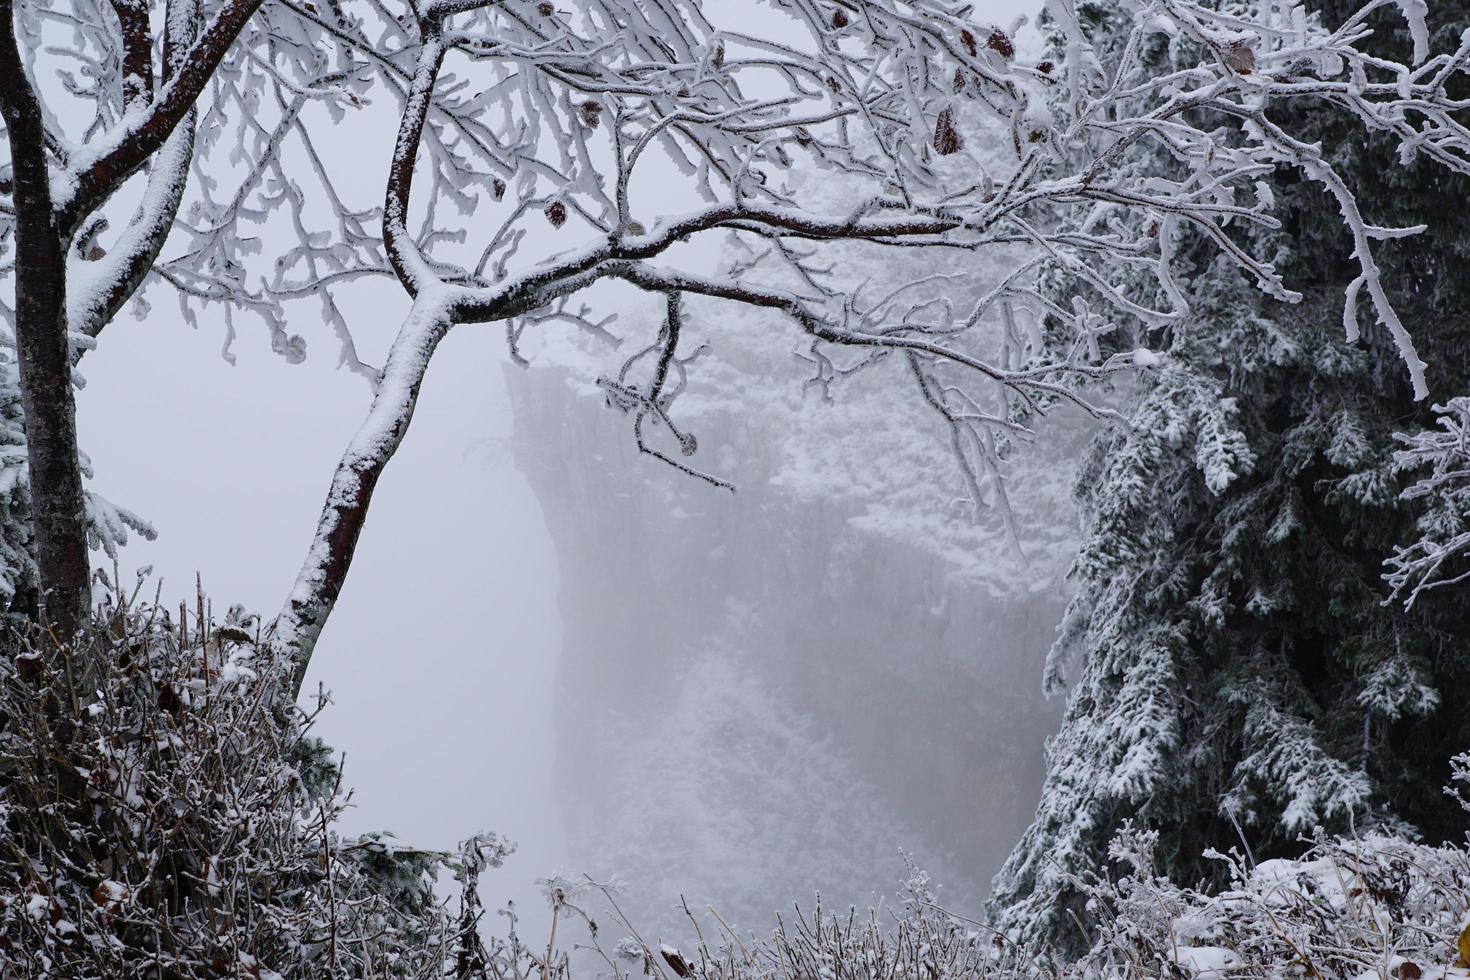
[768, 693]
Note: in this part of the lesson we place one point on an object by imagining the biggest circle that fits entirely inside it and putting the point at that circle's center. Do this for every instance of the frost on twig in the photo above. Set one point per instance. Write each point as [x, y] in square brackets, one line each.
[1440, 457]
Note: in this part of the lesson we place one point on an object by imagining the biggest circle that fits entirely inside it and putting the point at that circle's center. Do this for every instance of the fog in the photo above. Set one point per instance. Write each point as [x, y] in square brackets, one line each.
[439, 660]
[764, 694]
[739, 698]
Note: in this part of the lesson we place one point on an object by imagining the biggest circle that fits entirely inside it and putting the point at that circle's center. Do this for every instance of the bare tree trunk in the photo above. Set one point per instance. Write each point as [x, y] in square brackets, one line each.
[320, 581]
[314, 597]
[57, 504]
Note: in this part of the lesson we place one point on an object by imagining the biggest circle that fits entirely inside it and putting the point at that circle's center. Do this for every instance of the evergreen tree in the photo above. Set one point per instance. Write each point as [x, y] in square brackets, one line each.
[1239, 677]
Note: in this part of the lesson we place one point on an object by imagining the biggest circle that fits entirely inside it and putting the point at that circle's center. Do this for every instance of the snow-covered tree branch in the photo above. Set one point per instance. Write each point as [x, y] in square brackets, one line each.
[636, 131]
[1437, 558]
[883, 99]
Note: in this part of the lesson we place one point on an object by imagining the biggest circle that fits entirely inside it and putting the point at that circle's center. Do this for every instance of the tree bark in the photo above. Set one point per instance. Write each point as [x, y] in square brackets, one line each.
[93, 301]
[57, 505]
[343, 515]
[314, 597]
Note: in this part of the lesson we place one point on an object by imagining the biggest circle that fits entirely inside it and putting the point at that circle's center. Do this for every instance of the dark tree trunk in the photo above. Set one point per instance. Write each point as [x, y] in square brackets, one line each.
[57, 505]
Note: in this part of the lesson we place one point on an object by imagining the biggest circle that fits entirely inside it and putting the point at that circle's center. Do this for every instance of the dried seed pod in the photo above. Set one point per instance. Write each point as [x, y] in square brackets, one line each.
[1045, 67]
[545, 9]
[556, 213]
[1001, 45]
[688, 445]
[1239, 58]
[718, 61]
[959, 80]
[839, 19]
[833, 85]
[968, 40]
[87, 246]
[591, 112]
[676, 961]
[110, 893]
[946, 137]
[497, 188]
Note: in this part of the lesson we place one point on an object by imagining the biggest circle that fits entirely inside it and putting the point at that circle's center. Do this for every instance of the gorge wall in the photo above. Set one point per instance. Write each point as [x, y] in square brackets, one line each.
[769, 693]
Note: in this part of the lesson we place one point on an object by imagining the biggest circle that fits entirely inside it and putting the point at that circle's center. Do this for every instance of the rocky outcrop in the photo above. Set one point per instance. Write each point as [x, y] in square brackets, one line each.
[770, 692]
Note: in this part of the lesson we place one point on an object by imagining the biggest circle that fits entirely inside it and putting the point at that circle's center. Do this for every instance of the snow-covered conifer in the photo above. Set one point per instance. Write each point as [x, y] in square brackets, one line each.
[1233, 671]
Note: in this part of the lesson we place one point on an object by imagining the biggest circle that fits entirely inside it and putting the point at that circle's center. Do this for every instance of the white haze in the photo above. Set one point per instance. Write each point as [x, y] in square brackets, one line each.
[442, 655]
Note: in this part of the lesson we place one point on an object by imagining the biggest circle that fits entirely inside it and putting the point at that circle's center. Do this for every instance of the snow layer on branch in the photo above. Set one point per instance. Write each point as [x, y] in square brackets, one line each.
[836, 425]
[1416, 12]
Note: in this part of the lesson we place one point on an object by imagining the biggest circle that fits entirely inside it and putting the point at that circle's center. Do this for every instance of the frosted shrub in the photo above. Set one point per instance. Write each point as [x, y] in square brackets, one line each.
[915, 939]
[1440, 458]
[166, 813]
[1379, 906]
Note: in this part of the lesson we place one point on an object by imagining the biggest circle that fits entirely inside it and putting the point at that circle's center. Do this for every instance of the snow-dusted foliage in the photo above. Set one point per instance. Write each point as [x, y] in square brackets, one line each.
[17, 569]
[1234, 671]
[165, 813]
[1363, 906]
[1376, 906]
[1440, 458]
[178, 822]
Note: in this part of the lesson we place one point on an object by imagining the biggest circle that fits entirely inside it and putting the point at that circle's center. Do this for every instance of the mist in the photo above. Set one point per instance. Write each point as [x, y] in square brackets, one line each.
[738, 699]
[434, 713]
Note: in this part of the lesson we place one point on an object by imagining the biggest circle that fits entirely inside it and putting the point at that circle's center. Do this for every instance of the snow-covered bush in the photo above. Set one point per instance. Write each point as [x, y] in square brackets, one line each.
[165, 812]
[912, 939]
[1376, 906]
